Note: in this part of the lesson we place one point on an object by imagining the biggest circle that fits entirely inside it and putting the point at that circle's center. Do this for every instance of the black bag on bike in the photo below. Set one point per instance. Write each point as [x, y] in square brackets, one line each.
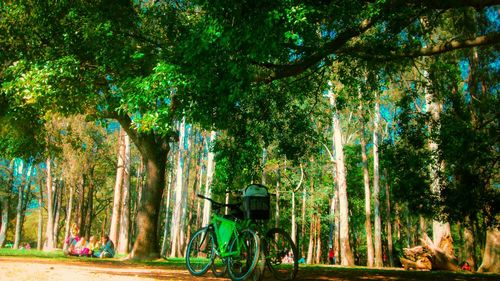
[256, 202]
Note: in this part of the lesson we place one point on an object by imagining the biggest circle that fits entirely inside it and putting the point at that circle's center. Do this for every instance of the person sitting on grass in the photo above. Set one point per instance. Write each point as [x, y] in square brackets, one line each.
[93, 245]
[81, 248]
[107, 249]
[72, 240]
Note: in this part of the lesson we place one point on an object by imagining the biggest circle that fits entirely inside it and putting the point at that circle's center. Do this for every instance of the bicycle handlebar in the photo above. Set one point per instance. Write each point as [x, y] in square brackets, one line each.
[218, 205]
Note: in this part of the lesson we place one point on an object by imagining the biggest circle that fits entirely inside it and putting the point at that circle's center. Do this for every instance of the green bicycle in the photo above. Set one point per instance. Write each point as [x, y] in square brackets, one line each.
[278, 251]
[231, 240]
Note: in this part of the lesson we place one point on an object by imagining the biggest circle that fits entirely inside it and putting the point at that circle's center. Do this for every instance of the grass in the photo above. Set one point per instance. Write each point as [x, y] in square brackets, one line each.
[339, 271]
[58, 255]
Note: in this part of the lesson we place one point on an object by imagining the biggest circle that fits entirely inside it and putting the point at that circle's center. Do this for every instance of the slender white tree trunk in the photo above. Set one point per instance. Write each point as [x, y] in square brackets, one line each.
[39, 243]
[376, 189]
[50, 207]
[388, 220]
[347, 257]
[210, 172]
[433, 107]
[178, 196]
[368, 213]
[19, 209]
[117, 197]
[69, 212]
[294, 222]
[123, 240]
[167, 209]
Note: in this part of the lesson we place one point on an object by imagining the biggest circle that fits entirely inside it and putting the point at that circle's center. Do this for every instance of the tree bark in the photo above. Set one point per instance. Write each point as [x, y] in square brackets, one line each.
[178, 196]
[368, 213]
[4, 200]
[347, 258]
[491, 254]
[469, 251]
[167, 217]
[89, 206]
[303, 217]
[310, 248]
[376, 189]
[123, 240]
[69, 213]
[318, 238]
[210, 172]
[39, 243]
[294, 223]
[117, 198]
[50, 207]
[57, 210]
[19, 210]
[154, 150]
[388, 220]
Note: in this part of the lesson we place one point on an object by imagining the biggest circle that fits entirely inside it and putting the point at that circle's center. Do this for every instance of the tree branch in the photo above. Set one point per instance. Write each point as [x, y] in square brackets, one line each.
[452, 45]
[283, 71]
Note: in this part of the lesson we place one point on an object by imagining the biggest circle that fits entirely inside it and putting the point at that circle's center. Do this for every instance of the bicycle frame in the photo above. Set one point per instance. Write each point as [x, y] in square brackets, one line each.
[225, 229]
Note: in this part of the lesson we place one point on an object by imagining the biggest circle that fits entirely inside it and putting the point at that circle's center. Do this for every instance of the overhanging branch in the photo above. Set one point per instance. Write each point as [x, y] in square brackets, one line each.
[452, 45]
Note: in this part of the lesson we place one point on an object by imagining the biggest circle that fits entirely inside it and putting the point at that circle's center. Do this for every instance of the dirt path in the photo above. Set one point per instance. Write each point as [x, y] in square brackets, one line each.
[33, 269]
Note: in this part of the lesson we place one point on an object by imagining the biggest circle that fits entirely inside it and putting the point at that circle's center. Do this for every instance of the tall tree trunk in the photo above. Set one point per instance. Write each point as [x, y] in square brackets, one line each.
[388, 219]
[277, 212]
[336, 241]
[491, 254]
[117, 198]
[303, 217]
[178, 195]
[50, 207]
[90, 206]
[376, 189]
[186, 206]
[210, 172]
[123, 240]
[154, 150]
[433, 107]
[167, 217]
[347, 257]
[4, 201]
[19, 211]
[81, 205]
[294, 223]
[39, 241]
[366, 181]
[469, 251]
[199, 215]
[310, 249]
[57, 211]
[139, 188]
[318, 238]
[69, 212]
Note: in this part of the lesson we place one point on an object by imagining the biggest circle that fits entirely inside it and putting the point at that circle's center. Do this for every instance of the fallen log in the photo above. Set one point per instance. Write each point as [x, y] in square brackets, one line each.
[430, 257]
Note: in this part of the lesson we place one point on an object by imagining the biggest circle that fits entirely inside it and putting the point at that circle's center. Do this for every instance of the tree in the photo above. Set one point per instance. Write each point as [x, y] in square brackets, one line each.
[345, 248]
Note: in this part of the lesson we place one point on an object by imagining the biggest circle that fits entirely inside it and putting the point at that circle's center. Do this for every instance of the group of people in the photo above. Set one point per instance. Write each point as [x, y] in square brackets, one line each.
[79, 246]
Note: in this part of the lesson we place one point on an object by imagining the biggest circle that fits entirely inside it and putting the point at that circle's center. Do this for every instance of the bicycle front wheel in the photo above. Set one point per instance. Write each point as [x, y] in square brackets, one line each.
[242, 263]
[281, 254]
[200, 252]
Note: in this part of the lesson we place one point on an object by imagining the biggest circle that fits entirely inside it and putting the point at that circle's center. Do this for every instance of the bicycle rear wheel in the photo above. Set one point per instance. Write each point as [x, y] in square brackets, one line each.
[200, 252]
[241, 265]
[281, 254]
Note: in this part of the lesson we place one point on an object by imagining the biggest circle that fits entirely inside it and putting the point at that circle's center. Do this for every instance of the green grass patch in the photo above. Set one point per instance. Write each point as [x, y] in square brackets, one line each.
[58, 255]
